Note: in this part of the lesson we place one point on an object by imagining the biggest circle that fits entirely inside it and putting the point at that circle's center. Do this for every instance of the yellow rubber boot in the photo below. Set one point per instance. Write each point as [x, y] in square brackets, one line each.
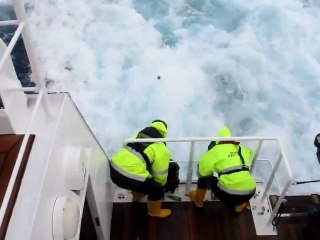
[154, 209]
[239, 208]
[197, 196]
[136, 196]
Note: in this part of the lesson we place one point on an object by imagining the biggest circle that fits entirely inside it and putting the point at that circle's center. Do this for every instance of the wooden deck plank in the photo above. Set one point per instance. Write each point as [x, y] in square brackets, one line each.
[130, 221]
[214, 221]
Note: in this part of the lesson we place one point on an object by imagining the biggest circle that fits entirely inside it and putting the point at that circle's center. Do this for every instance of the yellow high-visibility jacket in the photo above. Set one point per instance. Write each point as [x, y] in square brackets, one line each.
[224, 158]
[144, 160]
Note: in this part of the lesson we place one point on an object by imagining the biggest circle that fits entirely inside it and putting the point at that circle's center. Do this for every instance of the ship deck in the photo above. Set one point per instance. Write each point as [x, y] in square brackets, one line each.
[214, 221]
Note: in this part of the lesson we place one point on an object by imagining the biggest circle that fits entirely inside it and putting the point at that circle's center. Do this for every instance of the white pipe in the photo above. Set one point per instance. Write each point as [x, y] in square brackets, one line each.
[38, 76]
[83, 191]
[280, 200]
[190, 168]
[272, 167]
[9, 22]
[12, 43]
[22, 89]
[255, 156]
[197, 139]
[266, 190]
[19, 159]
[284, 156]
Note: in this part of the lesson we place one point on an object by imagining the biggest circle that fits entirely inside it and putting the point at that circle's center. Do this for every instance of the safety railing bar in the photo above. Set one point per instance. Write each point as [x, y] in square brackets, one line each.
[284, 156]
[280, 200]
[9, 22]
[20, 12]
[21, 16]
[272, 167]
[198, 139]
[285, 189]
[11, 45]
[19, 159]
[23, 89]
[190, 168]
[255, 156]
[266, 190]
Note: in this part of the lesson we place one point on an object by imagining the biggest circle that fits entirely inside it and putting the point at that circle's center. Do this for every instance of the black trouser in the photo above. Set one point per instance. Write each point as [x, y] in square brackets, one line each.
[154, 190]
[230, 200]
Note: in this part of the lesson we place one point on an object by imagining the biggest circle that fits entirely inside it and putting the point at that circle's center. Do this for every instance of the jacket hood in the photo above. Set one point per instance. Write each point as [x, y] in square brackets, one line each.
[224, 132]
[161, 127]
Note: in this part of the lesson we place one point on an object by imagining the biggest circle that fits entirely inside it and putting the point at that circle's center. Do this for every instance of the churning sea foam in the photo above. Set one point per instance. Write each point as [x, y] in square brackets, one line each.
[197, 64]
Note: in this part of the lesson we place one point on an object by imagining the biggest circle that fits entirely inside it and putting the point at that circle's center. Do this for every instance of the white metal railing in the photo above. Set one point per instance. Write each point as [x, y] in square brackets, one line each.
[11, 45]
[24, 31]
[19, 159]
[281, 157]
[26, 35]
[42, 97]
[9, 22]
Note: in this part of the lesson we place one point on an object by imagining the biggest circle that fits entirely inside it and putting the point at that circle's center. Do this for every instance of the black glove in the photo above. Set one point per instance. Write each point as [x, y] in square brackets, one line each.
[172, 184]
[173, 177]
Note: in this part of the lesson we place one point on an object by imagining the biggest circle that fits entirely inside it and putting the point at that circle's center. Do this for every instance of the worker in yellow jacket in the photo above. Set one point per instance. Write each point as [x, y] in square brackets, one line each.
[143, 168]
[234, 185]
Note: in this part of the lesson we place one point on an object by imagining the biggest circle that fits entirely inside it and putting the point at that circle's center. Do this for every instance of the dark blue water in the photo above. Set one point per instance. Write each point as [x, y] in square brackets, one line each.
[19, 55]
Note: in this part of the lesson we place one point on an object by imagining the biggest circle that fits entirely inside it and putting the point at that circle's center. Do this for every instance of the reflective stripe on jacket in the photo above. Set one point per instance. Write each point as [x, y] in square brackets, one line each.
[223, 158]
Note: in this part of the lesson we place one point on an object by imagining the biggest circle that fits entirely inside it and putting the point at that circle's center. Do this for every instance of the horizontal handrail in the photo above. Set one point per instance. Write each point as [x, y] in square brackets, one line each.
[22, 89]
[9, 23]
[198, 139]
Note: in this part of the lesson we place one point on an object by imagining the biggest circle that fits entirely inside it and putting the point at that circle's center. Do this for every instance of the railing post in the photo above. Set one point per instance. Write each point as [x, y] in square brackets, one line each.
[271, 177]
[280, 200]
[255, 156]
[189, 171]
[11, 45]
[38, 76]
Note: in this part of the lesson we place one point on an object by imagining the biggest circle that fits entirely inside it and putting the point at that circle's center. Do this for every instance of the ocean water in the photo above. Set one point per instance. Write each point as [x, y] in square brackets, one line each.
[197, 64]
[19, 55]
